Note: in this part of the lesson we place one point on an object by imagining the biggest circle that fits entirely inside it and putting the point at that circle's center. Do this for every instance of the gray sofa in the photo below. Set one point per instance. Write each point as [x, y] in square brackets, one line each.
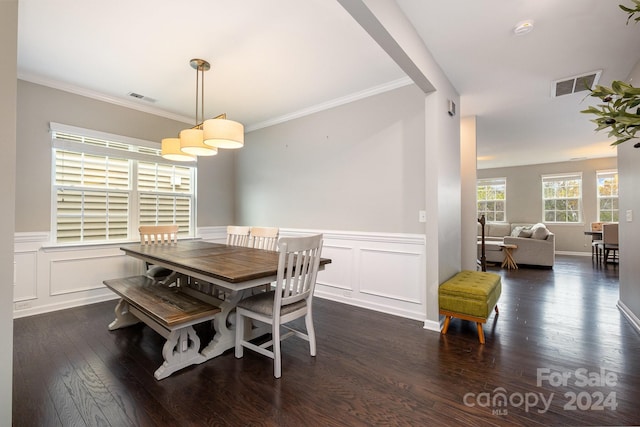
[536, 244]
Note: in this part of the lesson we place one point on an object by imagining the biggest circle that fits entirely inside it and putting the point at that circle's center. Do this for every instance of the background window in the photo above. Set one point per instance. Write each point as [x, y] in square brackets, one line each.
[492, 199]
[103, 190]
[607, 184]
[562, 198]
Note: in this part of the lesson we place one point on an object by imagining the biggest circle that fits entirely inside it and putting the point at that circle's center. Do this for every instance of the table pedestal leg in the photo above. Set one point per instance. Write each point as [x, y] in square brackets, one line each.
[225, 337]
[179, 351]
[224, 326]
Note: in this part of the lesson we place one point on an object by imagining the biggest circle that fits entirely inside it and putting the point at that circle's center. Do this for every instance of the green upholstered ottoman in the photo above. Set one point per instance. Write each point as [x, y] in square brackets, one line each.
[469, 295]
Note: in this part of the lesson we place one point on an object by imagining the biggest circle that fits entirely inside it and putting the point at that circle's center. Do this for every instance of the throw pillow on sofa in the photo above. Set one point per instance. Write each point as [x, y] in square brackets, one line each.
[516, 231]
[522, 231]
[526, 232]
[539, 232]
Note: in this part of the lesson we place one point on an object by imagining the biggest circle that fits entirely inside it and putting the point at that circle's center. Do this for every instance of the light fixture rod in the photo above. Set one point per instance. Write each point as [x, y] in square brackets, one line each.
[200, 65]
[219, 116]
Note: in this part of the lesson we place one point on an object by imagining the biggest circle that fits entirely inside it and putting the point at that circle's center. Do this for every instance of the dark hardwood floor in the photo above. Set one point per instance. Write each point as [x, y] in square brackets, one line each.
[371, 368]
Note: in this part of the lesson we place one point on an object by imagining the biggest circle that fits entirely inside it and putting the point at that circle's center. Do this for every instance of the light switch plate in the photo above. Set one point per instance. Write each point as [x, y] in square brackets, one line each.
[422, 216]
[629, 215]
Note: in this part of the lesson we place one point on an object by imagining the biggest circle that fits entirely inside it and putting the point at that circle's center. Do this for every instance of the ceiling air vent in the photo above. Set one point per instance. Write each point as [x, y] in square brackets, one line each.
[141, 97]
[575, 84]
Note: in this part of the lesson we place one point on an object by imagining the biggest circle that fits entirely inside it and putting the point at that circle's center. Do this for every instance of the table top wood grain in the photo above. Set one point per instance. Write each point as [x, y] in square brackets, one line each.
[231, 264]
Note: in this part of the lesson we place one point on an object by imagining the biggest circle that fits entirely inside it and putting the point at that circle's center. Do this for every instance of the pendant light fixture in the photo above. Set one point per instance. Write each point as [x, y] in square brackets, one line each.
[220, 132]
[171, 151]
[206, 136]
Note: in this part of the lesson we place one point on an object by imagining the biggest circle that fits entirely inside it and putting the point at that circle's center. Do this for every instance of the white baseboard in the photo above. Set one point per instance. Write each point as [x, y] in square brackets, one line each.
[573, 253]
[433, 326]
[633, 319]
[25, 310]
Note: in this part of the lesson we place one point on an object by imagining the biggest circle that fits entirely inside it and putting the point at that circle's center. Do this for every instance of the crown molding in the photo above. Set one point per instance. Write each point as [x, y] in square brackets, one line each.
[77, 90]
[68, 87]
[395, 84]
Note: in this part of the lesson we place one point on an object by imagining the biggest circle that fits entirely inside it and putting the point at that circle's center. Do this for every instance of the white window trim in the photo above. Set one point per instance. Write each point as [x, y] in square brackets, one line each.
[97, 150]
[500, 180]
[617, 196]
[580, 200]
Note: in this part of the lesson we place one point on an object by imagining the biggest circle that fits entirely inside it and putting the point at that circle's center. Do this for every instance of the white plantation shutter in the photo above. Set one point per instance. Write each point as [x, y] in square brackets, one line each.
[104, 189]
[165, 194]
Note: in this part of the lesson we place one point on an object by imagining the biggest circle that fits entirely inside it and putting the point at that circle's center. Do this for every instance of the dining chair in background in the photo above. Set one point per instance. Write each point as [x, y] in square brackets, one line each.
[238, 235]
[264, 238]
[610, 241]
[596, 243]
[159, 235]
[291, 299]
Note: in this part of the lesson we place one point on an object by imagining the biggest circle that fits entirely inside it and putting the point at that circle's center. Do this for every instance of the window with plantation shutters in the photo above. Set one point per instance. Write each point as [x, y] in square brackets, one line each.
[105, 186]
[164, 194]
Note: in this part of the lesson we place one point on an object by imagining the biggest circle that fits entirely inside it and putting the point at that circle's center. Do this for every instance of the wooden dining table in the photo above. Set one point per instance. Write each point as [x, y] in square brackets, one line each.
[216, 273]
[595, 235]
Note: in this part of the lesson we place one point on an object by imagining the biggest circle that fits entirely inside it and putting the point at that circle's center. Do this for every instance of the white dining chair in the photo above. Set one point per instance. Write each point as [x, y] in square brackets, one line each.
[298, 265]
[159, 235]
[264, 238]
[238, 235]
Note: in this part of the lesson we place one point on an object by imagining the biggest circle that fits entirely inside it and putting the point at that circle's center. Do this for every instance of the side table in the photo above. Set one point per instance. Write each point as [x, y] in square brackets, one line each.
[508, 261]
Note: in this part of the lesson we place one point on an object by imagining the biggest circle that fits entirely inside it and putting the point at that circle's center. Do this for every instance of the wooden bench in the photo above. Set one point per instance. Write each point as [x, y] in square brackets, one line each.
[469, 295]
[169, 312]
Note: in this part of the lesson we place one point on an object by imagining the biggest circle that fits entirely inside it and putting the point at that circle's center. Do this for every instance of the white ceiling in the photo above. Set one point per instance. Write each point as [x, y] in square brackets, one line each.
[279, 59]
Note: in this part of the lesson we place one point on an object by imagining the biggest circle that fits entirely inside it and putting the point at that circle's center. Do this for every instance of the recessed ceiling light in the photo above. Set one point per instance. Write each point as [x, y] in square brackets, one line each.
[523, 27]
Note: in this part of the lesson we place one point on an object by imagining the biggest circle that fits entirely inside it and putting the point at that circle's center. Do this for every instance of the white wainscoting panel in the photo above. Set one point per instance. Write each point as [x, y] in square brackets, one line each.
[26, 285]
[380, 271]
[55, 278]
[72, 274]
[337, 275]
[390, 274]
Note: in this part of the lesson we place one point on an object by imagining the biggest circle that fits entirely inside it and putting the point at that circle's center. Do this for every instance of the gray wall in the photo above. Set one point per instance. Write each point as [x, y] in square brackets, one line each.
[524, 197]
[38, 105]
[8, 76]
[468, 170]
[356, 167]
[629, 176]
[629, 181]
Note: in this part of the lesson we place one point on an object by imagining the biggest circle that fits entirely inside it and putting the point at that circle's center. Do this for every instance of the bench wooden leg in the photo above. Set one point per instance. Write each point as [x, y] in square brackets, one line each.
[124, 317]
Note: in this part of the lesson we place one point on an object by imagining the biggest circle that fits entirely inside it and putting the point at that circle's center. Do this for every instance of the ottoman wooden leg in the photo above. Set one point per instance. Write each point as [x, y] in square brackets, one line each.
[445, 327]
[496, 309]
[480, 333]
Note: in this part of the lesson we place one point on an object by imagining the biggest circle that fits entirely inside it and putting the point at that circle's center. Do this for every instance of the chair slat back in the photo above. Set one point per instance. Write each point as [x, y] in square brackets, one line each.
[238, 235]
[297, 269]
[158, 234]
[610, 234]
[596, 226]
[264, 238]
